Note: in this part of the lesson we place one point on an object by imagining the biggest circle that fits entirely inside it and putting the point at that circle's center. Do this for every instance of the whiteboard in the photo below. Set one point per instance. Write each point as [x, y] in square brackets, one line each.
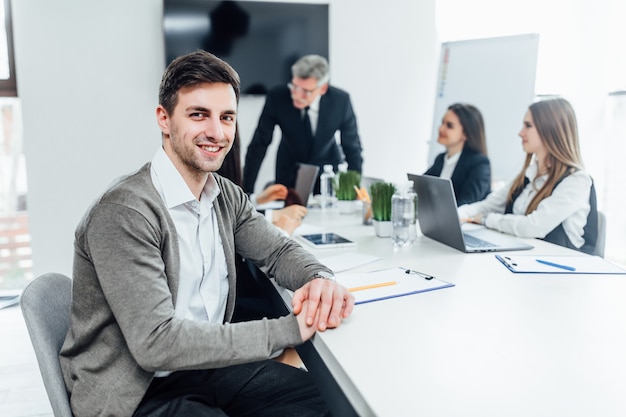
[497, 75]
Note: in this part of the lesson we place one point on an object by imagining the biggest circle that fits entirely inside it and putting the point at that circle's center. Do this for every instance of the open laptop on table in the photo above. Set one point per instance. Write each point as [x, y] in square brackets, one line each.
[438, 219]
[305, 181]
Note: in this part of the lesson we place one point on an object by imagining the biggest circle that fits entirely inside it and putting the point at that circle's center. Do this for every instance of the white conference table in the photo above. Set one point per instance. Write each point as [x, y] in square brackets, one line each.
[495, 344]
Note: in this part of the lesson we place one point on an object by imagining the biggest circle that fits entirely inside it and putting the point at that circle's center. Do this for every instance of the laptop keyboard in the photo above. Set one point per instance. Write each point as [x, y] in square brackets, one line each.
[474, 242]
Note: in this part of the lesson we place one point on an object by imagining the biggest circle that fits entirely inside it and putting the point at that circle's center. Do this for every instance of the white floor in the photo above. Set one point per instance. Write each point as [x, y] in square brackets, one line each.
[22, 393]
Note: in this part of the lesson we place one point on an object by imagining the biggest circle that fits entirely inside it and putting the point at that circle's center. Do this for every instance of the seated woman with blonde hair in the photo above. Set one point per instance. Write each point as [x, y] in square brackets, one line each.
[553, 197]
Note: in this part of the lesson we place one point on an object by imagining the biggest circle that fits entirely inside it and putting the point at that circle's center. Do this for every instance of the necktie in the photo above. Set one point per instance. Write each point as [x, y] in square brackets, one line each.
[308, 131]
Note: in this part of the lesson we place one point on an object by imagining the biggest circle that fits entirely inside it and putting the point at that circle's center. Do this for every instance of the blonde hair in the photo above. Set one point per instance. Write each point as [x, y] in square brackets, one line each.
[556, 125]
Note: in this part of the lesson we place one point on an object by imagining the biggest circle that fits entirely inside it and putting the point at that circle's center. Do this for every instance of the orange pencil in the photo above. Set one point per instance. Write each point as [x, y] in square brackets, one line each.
[367, 287]
[366, 195]
[359, 195]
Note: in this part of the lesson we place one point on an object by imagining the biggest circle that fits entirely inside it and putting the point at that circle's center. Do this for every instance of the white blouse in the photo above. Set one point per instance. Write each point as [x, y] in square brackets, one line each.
[449, 164]
[568, 204]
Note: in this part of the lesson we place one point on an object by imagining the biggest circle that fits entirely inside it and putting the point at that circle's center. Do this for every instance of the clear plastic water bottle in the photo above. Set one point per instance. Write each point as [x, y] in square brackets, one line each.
[327, 191]
[404, 215]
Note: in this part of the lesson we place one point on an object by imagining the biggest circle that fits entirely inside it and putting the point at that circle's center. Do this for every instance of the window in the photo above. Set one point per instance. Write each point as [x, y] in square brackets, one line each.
[15, 250]
[8, 85]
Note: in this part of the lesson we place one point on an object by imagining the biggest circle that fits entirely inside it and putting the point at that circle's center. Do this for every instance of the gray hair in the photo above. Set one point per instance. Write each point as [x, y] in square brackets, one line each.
[312, 66]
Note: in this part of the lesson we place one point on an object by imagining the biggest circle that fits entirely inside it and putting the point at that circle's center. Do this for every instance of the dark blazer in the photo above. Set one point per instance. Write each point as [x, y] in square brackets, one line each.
[335, 114]
[471, 178]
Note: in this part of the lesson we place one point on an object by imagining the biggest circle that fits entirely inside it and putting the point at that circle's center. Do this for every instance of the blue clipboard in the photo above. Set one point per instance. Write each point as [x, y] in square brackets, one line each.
[572, 264]
[389, 283]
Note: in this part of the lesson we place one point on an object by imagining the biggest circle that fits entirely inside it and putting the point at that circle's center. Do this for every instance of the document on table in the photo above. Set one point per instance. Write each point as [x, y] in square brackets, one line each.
[271, 205]
[346, 261]
[305, 229]
[388, 283]
[538, 264]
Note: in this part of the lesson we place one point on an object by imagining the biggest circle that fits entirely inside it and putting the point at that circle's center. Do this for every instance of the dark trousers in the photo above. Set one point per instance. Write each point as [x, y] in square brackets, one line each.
[257, 389]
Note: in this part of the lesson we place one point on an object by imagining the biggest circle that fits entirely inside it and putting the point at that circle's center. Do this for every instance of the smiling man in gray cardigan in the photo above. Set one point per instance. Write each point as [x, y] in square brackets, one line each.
[154, 278]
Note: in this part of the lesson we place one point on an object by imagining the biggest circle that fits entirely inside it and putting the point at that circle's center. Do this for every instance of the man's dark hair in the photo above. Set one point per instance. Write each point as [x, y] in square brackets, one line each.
[193, 69]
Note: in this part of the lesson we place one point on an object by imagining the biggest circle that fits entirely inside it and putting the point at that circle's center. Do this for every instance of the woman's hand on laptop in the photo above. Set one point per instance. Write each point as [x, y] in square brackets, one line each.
[477, 219]
[272, 193]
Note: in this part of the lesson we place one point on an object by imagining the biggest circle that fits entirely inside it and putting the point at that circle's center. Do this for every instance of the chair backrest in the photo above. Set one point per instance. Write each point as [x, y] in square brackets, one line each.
[600, 243]
[45, 304]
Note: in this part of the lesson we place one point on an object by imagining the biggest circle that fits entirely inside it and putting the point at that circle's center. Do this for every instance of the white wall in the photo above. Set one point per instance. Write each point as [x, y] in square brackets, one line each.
[387, 59]
[88, 75]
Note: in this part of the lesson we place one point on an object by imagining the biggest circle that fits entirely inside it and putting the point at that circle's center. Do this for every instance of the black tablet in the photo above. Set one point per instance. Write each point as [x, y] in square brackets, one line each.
[327, 240]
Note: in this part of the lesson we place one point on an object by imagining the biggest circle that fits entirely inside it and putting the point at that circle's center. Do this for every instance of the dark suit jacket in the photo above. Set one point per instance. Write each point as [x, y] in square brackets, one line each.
[335, 114]
[471, 178]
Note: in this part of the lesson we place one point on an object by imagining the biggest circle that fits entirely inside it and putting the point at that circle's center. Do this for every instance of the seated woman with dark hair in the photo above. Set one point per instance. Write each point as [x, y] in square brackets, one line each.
[465, 160]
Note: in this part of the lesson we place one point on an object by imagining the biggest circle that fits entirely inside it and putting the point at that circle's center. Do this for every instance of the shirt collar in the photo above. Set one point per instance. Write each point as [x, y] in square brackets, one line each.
[453, 159]
[531, 171]
[172, 186]
[315, 104]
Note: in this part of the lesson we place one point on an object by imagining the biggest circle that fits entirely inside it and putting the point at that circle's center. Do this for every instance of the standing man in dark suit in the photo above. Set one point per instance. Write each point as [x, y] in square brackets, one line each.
[308, 112]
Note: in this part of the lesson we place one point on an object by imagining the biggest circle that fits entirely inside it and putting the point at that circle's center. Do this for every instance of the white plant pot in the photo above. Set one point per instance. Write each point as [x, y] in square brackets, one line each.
[383, 229]
[346, 206]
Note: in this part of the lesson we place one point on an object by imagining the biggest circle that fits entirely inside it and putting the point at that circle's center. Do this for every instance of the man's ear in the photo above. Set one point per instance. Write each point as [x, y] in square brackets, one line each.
[324, 89]
[163, 120]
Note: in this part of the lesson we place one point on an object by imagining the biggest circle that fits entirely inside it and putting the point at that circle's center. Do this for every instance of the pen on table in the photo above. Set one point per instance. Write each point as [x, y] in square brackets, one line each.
[367, 287]
[569, 268]
[421, 274]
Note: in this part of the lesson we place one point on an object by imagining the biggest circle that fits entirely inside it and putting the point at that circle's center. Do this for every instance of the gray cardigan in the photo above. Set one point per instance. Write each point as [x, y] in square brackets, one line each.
[126, 275]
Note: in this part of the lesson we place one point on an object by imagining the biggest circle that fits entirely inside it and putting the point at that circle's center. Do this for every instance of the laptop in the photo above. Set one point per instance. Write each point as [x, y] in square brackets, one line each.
[305, 181]
[438, 219]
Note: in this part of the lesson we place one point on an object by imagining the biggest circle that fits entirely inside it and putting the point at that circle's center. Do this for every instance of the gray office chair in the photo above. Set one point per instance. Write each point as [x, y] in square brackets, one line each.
[600, 243]
[45, 306]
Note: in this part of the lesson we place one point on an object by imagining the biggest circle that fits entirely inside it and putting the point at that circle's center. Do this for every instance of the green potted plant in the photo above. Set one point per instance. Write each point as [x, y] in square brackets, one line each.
[381, 193]
[344, 190]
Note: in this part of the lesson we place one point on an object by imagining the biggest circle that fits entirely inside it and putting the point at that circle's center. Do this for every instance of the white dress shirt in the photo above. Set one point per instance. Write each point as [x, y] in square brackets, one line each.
[314, 113]
[568, 204]
[448, 165]
[203, 288]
